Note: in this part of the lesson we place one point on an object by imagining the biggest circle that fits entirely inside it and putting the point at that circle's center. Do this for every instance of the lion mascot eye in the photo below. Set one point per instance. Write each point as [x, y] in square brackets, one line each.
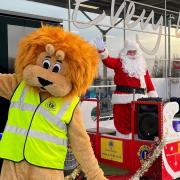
[46, 64]
[56, 68]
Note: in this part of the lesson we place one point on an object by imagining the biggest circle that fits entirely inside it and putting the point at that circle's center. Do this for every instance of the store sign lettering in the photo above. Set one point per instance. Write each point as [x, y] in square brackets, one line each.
[144, 21]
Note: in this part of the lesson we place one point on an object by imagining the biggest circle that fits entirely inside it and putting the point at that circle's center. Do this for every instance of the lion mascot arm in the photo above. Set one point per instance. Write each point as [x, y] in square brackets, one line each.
[8, 83]
[82, 149]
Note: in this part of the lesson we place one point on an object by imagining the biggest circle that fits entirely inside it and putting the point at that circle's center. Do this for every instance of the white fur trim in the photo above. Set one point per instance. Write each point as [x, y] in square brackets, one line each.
[125, 98]
[142, 82]
[123, 136]
[104, 54]
[152, 94]
[131, 45]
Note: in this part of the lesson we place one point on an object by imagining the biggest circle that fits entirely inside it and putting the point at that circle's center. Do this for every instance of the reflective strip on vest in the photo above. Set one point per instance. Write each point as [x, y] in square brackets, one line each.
[36, 134]
[54, 119]
[63, 110]
[23, 106]
[47, 137]
[16, 130]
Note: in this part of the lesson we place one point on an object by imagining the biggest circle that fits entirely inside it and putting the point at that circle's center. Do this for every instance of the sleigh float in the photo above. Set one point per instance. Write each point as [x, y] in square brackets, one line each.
[153, 152]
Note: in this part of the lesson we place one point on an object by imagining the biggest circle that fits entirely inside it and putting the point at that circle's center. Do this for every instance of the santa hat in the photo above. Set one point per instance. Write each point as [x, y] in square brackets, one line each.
[130, 45]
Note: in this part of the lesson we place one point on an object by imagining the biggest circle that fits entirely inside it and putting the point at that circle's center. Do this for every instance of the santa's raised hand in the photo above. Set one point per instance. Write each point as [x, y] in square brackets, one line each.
[100, 44]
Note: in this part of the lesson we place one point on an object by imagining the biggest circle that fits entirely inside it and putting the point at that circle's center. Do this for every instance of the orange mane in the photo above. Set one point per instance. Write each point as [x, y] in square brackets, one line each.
[81, 56]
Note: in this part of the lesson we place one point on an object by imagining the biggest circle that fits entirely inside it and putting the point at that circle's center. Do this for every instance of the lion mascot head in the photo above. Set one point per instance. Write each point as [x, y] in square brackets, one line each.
[58, 62]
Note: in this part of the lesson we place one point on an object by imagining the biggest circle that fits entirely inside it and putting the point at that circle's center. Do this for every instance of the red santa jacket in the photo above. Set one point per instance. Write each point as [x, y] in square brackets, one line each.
[123, 79]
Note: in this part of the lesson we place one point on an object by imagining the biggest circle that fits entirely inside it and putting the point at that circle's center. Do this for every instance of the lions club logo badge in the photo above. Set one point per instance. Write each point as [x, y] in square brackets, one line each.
[51, 105]
[143, 153]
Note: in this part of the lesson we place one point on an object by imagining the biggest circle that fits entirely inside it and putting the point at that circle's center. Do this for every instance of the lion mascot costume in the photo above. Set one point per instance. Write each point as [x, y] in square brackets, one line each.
[53, 68]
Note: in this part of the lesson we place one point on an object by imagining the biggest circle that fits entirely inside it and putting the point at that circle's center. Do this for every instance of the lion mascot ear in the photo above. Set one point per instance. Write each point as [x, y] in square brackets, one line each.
[60, 54]
[50, 49]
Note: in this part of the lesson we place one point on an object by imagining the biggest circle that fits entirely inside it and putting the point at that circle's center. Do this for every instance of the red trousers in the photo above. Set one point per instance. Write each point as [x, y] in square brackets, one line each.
[122, 117]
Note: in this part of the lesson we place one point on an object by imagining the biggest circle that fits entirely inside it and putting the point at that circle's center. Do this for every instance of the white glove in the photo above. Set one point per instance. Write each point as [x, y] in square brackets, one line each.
[100, 44]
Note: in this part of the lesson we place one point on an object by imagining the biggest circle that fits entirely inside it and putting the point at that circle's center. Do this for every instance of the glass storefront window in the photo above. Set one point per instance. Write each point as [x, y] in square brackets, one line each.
[161, 64]
[15, 34]
[30, 8]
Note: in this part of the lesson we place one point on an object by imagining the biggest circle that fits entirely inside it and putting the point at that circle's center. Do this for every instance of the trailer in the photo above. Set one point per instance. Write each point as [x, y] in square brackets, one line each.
[154, 149]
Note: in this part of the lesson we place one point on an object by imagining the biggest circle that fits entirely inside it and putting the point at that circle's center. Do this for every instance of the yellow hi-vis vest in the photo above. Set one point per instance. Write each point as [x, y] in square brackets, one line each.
[37, 131]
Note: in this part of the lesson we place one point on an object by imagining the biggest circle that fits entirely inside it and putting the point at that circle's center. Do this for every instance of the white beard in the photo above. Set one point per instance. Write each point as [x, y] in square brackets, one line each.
[135, 67]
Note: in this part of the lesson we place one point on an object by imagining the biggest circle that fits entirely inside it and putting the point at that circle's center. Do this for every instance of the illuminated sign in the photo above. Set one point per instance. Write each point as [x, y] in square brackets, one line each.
[144, 21]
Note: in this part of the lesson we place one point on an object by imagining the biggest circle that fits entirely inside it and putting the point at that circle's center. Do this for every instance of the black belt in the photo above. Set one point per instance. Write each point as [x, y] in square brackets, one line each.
[128, 89]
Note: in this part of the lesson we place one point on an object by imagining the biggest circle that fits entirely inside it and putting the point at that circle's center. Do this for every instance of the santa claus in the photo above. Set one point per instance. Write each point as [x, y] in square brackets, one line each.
[131, 75]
